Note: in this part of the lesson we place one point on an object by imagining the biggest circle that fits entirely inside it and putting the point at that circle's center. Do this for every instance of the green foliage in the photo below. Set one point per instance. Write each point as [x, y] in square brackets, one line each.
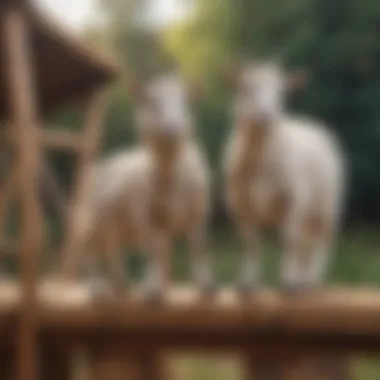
[204, 40]
[120, 129]
[338, 40]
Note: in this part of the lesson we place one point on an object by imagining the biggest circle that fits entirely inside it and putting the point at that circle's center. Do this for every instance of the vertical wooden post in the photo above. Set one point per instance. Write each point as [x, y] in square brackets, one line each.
[118, 363]
[262, 367]
[154, 365]
[55, 363]
[78, 207]
[7, 364]
[108, 363]
[24, 117]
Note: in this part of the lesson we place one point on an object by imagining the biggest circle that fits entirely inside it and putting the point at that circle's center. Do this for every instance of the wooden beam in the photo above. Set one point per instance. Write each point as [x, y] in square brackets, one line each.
[75, 240]
[23, 109]
[62, 140]
[50, 194]
[268, 328]
[49, 185]
[7, 364]
[322, 313]
[53, 139]
[56, 362]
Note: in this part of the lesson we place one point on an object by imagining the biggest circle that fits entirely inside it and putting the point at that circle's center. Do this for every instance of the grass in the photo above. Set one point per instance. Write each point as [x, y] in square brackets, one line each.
[229, 368]
[222, 367]
[355, 262]
[207, 368]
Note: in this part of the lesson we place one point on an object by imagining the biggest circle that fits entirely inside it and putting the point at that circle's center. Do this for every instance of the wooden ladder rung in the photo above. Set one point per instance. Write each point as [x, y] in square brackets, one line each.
[62, 140]
[56, 138]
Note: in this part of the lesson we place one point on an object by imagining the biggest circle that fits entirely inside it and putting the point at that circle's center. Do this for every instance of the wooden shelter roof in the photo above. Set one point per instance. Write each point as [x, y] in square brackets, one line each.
[66, 68]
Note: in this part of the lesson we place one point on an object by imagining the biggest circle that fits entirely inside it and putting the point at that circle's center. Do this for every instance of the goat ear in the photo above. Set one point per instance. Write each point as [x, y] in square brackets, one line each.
[231, 76]
[298, 80]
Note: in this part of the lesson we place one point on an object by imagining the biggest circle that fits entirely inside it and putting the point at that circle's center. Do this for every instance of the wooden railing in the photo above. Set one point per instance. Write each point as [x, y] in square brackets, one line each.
[28, 138]
[271, 332]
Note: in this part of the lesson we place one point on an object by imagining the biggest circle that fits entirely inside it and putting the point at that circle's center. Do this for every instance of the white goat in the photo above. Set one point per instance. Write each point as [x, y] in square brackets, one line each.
[281, 171]
[149, 195]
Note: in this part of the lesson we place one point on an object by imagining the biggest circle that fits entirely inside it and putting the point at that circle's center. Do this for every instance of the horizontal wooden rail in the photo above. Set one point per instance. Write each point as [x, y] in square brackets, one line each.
[56, 138]
[62, 140]
[333, 320]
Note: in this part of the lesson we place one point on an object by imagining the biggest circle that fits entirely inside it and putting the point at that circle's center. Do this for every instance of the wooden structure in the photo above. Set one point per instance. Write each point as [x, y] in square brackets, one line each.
[288, 331]
[43, 68]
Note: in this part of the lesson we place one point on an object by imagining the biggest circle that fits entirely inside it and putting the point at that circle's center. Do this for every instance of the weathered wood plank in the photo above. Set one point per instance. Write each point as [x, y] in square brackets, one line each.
[57, 138]
[24, 116]
[270, 323]
[55, 362]
[92, 130]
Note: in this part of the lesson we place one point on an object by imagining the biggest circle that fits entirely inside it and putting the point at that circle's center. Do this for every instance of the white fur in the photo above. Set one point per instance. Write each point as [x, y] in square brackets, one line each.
[261, 91]
[301, 160]
[127, 181]
[165, 110]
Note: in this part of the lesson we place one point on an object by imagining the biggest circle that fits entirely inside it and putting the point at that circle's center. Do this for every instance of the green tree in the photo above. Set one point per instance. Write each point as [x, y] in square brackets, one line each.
[338, 40]
[136, 45]
[204, 40]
